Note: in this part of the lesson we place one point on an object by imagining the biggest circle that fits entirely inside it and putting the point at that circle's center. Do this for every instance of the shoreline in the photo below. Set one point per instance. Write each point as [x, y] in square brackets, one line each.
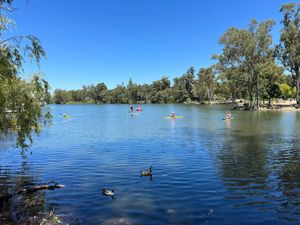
[286, 106]
[281, 108]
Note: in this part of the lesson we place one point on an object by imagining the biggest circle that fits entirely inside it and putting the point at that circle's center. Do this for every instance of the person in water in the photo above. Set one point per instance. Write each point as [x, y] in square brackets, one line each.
[172, 115]
[228, 115]
[131, 108]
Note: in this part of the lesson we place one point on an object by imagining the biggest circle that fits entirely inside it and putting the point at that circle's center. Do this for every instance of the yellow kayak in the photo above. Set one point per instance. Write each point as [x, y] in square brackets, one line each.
[68, 116]
[231, 118]
[173, 117]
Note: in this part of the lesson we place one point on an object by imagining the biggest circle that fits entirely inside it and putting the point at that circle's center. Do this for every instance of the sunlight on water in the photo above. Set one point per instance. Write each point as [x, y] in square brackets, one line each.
[205, 170]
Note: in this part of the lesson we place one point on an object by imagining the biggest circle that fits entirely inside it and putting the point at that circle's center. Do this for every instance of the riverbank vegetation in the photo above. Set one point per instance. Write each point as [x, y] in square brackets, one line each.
[21, 101]
[250, 67]
[22, 110]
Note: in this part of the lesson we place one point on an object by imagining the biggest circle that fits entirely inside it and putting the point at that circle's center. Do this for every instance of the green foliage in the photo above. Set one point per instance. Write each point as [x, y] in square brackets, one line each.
[101, 91]
[286, 90]
[206, 84]
[270, 77]
[22, 103]
[244, 51]
[183, 86]
[61, 96]
[288, 51]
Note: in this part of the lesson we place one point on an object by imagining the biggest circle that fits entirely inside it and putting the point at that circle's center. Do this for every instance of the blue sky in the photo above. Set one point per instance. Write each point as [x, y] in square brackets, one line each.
[111, 41]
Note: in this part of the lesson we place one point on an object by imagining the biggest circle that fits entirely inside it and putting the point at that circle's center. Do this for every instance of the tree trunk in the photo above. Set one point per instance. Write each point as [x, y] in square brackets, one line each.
[41, 187]
[250, 92]
[233, 94]
[297, 88]
[250, 100]
[209, 95]
[257, 91]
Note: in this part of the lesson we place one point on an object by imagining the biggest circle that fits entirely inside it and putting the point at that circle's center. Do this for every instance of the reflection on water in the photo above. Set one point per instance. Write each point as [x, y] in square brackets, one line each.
[206, 170]
[260, 165]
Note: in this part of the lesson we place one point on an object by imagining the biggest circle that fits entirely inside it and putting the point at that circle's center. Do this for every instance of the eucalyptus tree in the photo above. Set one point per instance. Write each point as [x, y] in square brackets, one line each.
[206, 84]
[229, 84]
[271, 76]
[286, 90]
[158, 93]
[119, 94]
[21, 101]
[183, 86]
[288, 51]
[63, 96]
[132, 91]
[244, 50]
[101, 90]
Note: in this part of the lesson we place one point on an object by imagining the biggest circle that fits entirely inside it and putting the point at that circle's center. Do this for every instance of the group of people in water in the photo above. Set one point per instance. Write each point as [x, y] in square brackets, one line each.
[137, 109]
[227, 116]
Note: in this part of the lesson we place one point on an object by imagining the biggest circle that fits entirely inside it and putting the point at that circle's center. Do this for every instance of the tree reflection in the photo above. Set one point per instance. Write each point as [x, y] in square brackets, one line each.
[262, 168]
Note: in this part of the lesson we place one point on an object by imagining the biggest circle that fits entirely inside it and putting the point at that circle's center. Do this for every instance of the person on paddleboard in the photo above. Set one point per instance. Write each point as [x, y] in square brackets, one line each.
[228, 115]
[172, 115]
[131, 108]
[139, 109]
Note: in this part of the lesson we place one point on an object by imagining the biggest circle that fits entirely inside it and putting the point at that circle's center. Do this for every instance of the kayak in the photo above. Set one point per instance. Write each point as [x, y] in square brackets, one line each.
[173, 117]
[68, 117]
[133, 113]
[228, 118]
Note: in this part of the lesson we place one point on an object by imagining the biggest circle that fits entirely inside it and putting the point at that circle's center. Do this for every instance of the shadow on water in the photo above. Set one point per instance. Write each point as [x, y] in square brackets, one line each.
[261, 168]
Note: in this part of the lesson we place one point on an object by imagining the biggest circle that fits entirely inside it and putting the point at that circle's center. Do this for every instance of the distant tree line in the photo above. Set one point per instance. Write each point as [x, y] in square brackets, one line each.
[249, 67]
[205, 86]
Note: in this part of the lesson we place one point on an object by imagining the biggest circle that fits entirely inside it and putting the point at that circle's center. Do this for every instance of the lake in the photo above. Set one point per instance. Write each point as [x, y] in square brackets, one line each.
[205, 170]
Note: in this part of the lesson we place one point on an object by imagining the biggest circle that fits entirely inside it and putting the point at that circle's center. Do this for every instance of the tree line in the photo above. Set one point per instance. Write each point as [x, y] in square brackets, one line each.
[201, 87]
[250, 66]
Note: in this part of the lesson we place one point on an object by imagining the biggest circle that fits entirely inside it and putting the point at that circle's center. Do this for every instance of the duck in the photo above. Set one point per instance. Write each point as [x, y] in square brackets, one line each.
[147, 172]
[108, 192]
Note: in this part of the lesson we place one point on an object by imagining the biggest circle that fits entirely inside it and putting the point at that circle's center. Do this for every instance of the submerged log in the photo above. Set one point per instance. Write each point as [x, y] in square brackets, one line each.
[47, 186]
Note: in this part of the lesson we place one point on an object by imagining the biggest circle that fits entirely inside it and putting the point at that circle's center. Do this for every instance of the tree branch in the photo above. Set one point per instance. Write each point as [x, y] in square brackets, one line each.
[41, 187]
[12, 38]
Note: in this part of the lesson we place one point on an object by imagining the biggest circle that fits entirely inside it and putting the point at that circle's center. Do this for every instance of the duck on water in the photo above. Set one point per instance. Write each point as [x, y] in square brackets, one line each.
[108, 192]
[147, 173]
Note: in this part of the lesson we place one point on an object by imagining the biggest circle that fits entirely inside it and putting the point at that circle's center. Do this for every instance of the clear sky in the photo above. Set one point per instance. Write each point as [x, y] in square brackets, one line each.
[111, 41]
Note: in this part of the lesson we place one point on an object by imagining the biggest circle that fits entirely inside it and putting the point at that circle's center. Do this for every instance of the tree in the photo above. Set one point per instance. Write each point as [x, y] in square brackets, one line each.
[21, 101]
[206, 84]
[101, 90]
[270, 77]
[132, 91]
[244, 51]
[288, 51]
[230, 85]
[118, 94]
[286, 90]
[183, 86]
[157, 90]
[61, 96]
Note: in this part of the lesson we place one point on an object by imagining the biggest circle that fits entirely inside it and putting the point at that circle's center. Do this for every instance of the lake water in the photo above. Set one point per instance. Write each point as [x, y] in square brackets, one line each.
[205, 170]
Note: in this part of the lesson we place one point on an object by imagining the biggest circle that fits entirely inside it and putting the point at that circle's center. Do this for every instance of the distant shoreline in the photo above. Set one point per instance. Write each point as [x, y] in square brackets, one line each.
[278, 105]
